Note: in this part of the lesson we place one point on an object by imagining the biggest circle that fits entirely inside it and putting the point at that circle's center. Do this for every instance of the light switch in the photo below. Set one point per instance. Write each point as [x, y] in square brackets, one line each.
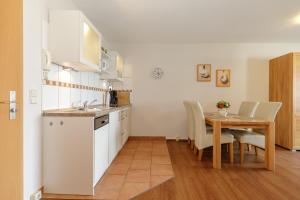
[33, 96]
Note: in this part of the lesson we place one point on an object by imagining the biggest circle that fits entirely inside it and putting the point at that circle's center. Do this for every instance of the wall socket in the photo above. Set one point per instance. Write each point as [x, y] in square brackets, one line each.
[36, 196]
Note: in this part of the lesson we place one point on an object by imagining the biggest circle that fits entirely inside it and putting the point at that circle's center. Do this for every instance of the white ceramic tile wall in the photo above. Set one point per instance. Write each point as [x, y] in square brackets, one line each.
[50, 97]
[55, 97]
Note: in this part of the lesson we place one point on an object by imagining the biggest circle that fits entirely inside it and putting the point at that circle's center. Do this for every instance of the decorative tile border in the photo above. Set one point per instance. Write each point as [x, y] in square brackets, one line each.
[77, 86]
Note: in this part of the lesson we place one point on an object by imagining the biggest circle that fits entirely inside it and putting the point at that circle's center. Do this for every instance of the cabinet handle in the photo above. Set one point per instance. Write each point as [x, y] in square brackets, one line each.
[61, 123]
[51, 123]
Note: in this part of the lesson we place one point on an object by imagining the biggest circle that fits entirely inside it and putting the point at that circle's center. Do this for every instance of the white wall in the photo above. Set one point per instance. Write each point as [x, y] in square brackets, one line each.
[157, 104]
[34, 11]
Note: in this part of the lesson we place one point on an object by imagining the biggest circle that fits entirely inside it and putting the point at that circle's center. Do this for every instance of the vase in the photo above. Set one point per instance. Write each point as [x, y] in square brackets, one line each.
[223, 112]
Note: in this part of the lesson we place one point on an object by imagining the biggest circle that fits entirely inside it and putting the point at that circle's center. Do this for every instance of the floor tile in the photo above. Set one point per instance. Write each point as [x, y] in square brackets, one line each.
[138, 176]
[142, 155]
[118, 168]
[160, 152]
[144, 149]
[130, 190]
[157, 180]
[160, 146]
[111, 182]
[161, 170]
[145, 144]
[140, 164]
[163, 160]
[123, 159]
[107, 194]
[127, 152]
[131, 146]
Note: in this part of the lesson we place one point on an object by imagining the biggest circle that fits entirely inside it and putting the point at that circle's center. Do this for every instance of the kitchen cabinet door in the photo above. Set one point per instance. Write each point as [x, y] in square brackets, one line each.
[74, 41]
[100, 152]
[125, 125]
[114, 135]
[91, 44]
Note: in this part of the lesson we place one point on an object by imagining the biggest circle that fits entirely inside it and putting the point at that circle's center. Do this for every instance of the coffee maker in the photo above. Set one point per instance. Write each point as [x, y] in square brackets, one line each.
[113, 101]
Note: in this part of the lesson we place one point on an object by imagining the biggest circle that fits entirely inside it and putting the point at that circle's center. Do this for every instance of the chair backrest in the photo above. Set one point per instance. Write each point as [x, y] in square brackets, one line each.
[190, 119]
[267, 110]
[248, 108]
[199, 123]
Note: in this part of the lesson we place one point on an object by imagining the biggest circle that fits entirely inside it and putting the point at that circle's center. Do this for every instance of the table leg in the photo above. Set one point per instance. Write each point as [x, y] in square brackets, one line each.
[270, 147]
[217, 145]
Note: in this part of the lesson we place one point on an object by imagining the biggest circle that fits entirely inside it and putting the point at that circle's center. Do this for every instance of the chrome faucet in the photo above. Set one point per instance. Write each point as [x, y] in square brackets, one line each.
[92, 102]
[86, 104]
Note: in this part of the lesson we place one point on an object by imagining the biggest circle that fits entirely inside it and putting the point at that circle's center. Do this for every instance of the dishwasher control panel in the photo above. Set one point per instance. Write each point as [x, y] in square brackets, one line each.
[101, 121]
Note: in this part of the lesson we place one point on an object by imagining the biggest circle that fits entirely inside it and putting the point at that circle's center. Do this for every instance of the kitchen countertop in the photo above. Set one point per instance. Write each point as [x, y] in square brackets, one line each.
[94, 111]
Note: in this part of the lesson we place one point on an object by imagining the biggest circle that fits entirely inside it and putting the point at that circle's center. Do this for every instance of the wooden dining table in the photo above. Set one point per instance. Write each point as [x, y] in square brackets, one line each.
[217, 121]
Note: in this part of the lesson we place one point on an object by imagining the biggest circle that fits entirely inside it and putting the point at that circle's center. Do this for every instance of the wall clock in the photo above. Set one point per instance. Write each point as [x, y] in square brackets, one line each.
[157, 73]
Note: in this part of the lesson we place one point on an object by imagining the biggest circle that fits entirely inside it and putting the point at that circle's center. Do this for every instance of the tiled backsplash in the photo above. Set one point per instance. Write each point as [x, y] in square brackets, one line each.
[57, 97]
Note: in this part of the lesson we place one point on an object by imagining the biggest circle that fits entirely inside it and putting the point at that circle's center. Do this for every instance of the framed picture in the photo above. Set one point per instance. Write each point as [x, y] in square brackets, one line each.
[223, 78]
[203, 72]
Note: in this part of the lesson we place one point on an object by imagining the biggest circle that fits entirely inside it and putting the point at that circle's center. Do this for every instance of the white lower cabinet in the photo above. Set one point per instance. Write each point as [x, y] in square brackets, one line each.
[75, 156]
[115, 139]
[125, 125]
[68, 155]
[101, 152]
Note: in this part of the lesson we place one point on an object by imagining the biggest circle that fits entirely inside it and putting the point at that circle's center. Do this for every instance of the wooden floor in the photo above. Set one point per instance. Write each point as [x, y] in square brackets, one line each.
[196, 180]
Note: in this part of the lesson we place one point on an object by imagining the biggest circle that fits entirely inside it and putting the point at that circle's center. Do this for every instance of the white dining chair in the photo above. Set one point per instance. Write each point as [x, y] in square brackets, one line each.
[266, 111]
[190, 122]
[247, 108]
[204, 136]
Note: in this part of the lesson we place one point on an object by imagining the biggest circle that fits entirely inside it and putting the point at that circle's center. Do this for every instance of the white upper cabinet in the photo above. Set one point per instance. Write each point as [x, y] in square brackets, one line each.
[112, 66]
[74, 41]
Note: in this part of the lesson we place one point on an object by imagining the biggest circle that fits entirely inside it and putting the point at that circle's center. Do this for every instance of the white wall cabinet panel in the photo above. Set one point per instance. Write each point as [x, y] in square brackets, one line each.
[125, 125]
[114, 135]
[115, 67]
[75, 156]
[101, 152]
[74, 41]
[68, 155]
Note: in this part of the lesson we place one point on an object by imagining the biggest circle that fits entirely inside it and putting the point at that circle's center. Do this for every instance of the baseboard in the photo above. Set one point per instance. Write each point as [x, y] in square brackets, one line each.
[146, 138]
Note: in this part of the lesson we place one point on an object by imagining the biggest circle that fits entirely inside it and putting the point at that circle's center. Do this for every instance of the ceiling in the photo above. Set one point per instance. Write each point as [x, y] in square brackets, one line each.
[194, 21]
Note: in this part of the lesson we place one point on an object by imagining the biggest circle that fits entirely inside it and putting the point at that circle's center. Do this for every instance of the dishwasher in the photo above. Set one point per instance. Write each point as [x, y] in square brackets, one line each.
[101, 130]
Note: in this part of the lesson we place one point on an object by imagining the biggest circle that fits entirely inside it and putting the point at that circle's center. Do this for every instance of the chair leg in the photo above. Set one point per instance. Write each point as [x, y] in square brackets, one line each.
[227, 148]
[231, 155]
[249, 147]
[255, 149]
[200, 153]
[195, 150]
[192, 144]
[242, 153]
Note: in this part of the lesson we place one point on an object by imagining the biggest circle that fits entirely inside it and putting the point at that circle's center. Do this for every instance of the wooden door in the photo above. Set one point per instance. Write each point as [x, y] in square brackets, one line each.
[11, 79]
[281, 89]
[296, 101]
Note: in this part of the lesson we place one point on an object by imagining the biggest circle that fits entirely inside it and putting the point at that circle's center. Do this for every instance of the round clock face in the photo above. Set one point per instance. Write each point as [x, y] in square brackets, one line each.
[157, 73]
